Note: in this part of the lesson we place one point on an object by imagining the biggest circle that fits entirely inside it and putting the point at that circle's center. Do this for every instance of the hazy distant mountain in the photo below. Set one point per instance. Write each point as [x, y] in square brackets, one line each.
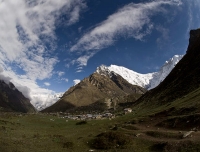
[45, 100]
[149, 80]
[13, 100]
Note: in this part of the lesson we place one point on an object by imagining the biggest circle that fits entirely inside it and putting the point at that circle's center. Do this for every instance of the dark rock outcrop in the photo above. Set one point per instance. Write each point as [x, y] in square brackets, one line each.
[182, 80]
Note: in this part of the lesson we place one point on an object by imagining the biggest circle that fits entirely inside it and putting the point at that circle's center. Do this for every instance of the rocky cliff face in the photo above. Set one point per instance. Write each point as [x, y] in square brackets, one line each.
[13, 100]
[194, 35]
[108, 89]
[183, 79]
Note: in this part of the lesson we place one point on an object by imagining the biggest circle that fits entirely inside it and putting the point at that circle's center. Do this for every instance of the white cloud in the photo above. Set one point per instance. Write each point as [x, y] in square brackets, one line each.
[65, 79]
[76, 81]
[164, 36]
[5, 78]
[1, 69]
[82, 61]
[40, 97]
[79, 71]
[27, 86]
[60, 78]
[27, 27]
[80, 29]
[133, 20]
[75, 13]
[47, 84]
[25, 32]
[193, 10]
[60, 73]
[25, 90]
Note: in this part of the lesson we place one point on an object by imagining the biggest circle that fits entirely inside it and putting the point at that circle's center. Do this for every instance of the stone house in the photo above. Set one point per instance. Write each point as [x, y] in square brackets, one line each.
[127, 110]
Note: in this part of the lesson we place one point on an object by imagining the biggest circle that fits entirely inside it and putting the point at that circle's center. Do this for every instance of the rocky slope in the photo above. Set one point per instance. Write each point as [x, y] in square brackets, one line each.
[13, 100]
[99, 85]
[109, 89]
[148, 81]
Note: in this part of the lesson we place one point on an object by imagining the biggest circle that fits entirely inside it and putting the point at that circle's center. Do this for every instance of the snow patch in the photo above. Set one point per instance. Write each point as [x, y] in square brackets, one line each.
[76, 81]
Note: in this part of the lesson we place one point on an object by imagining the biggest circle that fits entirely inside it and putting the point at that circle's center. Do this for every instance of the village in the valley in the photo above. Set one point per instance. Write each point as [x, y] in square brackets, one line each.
[104, 115]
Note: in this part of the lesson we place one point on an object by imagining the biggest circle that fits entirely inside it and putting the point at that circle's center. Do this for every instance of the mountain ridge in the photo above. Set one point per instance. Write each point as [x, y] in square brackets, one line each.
[94, 89]
[119, 73]
[149, 80]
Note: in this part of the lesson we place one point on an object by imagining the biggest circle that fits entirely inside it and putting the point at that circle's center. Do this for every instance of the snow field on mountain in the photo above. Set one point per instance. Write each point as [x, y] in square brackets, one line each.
[149, 80]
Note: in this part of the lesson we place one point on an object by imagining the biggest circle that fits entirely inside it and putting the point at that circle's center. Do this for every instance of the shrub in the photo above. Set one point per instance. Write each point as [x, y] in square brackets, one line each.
[134, 121]
[110, 140]
[164, 134]
[130, 127]
[68, 144]
[184, 146]
[158, 147]
[81, 123]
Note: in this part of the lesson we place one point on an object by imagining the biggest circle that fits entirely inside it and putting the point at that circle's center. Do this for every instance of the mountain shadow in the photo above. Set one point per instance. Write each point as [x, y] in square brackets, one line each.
[12, 99]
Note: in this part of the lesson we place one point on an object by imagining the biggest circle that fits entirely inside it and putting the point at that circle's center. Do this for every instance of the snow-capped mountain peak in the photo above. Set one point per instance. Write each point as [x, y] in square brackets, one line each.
[104, 70]
[129, 75]
[159, 76]
[149, 80]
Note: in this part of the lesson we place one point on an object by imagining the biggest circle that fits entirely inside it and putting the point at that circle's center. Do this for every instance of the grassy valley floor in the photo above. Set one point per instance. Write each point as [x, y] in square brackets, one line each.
[170, 127]
[46, 133]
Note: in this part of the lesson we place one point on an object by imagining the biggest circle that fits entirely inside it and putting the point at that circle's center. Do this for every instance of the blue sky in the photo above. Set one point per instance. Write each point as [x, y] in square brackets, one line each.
[45, 44]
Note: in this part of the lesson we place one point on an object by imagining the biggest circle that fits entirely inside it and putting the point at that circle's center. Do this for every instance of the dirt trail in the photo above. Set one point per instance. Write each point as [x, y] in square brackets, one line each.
[148, 130]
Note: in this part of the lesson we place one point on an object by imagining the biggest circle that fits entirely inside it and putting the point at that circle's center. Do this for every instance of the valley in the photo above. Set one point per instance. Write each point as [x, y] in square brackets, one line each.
[137, 131]
[163, 119]
[100, 76]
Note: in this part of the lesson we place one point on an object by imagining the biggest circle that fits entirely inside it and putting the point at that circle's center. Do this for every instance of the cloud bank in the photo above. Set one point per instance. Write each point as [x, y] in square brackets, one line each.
[133, 20]
[25, 34]
[28, 40]
[47, 84]
[40, 97]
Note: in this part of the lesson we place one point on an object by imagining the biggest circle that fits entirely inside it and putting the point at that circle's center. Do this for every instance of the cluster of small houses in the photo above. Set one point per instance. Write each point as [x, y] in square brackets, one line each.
[91, 116]
[106, 115]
